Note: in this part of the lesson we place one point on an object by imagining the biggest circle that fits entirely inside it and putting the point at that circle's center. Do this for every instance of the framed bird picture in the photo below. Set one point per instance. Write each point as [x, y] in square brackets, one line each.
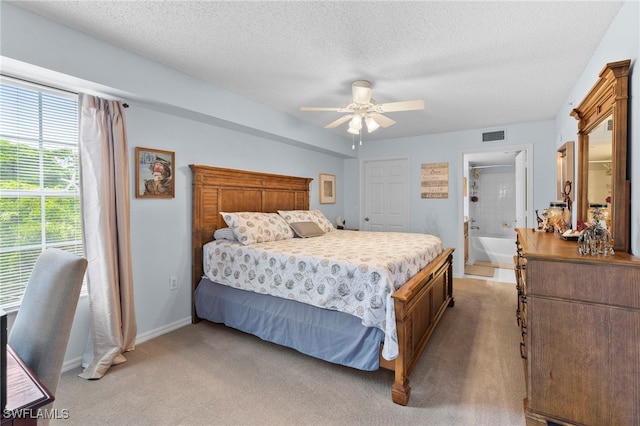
[154, 173]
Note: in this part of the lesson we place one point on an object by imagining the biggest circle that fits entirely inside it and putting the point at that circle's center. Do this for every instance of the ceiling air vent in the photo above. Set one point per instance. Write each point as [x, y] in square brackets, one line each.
[498, 135]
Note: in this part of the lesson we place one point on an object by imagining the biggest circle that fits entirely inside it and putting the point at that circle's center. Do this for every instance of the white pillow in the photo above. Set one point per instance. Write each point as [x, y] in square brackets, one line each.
[256, 227]
[293, 216]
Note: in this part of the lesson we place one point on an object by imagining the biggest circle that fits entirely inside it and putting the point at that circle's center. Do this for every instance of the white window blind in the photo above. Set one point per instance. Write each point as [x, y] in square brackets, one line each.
[39, 181]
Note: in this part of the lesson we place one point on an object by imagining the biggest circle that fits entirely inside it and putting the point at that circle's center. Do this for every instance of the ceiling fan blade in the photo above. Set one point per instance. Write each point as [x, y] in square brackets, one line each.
[339, 121]
[322, 109]
[361, 91]
[382, 120]
[401, 106]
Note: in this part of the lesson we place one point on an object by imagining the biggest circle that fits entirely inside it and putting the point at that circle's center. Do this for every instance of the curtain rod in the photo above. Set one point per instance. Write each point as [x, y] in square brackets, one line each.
[24, 80]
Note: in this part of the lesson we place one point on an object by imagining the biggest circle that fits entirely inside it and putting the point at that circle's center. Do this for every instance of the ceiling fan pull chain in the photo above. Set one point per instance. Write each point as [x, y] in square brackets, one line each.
[353, 141]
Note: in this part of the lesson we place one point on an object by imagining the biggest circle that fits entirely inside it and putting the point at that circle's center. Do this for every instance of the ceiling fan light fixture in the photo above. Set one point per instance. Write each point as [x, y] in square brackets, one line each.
[372, 124]
[355, 123]
[362, 107]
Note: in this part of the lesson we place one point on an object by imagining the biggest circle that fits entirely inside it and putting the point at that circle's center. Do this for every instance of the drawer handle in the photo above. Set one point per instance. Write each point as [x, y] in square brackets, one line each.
[523, 351]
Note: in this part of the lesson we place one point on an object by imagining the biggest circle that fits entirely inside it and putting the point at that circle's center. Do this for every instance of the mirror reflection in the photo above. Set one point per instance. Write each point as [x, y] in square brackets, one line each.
[600, 155]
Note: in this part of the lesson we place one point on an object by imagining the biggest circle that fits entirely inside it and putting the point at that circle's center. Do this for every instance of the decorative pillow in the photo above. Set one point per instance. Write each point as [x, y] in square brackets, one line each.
[306, 229]
[256, 227]
[292, 216]
[224, 234]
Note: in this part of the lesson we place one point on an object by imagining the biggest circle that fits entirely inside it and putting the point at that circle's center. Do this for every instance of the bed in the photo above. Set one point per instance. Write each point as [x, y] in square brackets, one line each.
[396, 340]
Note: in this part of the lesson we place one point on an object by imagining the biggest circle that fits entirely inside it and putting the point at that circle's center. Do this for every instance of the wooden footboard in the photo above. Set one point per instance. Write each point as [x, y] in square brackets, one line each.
[419, 304]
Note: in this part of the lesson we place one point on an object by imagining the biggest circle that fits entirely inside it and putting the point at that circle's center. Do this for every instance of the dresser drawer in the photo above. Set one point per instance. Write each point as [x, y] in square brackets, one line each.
[614, 285]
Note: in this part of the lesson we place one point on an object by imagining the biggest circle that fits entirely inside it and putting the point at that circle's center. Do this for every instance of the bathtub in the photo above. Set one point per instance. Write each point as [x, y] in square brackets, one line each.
[498, 249]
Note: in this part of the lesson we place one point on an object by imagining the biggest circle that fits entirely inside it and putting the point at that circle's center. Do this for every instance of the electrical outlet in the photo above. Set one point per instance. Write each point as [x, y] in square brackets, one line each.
[173, 283]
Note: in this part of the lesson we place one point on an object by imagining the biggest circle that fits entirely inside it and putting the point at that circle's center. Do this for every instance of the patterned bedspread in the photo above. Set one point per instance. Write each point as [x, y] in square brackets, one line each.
[349, 271]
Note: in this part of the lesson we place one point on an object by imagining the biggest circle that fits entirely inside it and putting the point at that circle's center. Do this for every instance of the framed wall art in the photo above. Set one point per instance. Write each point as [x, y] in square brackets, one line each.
[434, 180]
[154, 173]
[327, 189]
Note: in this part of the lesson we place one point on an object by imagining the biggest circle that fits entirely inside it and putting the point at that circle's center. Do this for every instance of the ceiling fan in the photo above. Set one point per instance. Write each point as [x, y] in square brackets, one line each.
[363, 108]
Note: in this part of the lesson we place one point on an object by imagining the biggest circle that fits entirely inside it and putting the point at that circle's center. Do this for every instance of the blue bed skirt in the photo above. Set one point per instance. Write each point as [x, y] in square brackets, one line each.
[325, 334]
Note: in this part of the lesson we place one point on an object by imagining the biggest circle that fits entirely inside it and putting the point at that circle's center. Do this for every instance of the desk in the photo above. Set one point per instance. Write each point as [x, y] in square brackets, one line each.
[24, 392]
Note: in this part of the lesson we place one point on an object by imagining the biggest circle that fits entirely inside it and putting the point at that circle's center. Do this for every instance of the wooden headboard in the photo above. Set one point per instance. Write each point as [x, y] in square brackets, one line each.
[218, 190]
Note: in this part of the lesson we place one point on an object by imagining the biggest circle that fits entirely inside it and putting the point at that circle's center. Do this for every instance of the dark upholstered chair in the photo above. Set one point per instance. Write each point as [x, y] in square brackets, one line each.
[42, 326]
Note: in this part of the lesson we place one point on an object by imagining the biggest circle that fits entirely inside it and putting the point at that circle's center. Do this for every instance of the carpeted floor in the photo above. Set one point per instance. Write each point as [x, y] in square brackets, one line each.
[208, 374]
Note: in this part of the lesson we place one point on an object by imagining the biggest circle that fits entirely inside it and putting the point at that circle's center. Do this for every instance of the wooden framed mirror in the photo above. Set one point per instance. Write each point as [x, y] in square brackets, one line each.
[565, 176]
[602, 150]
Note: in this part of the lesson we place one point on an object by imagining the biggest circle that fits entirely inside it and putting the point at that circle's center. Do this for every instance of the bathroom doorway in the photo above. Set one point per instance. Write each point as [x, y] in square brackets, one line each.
[496, 201]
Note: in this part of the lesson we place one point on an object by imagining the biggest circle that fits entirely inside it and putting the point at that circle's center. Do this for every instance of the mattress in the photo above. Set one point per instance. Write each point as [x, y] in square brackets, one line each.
[346, 271]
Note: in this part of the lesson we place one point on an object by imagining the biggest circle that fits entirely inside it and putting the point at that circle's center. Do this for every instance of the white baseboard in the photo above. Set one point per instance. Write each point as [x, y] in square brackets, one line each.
[140, 338]
[162, 330]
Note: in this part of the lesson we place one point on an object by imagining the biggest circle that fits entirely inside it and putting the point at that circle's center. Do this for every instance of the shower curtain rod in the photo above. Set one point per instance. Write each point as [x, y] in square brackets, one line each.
[495, 165]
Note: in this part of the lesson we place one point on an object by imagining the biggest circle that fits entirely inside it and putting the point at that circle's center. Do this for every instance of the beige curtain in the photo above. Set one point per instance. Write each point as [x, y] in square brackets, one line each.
[104, 169]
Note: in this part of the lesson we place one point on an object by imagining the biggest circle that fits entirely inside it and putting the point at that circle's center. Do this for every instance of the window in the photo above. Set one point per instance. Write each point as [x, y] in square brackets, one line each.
[39, 181]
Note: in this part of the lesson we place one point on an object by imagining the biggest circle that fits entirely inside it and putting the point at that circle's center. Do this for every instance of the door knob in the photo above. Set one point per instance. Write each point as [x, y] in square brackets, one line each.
[366, 219]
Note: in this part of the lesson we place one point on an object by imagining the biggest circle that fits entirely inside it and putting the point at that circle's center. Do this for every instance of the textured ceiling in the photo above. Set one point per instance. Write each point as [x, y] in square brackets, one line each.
[475, 64]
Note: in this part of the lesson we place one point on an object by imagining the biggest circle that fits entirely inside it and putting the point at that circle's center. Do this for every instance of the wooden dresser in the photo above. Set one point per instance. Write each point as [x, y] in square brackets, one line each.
[580, 321]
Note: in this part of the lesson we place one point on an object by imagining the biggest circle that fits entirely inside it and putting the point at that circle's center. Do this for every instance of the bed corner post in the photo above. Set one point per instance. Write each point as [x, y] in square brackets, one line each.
[400, 391]
[196, 243]
[452, 301]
